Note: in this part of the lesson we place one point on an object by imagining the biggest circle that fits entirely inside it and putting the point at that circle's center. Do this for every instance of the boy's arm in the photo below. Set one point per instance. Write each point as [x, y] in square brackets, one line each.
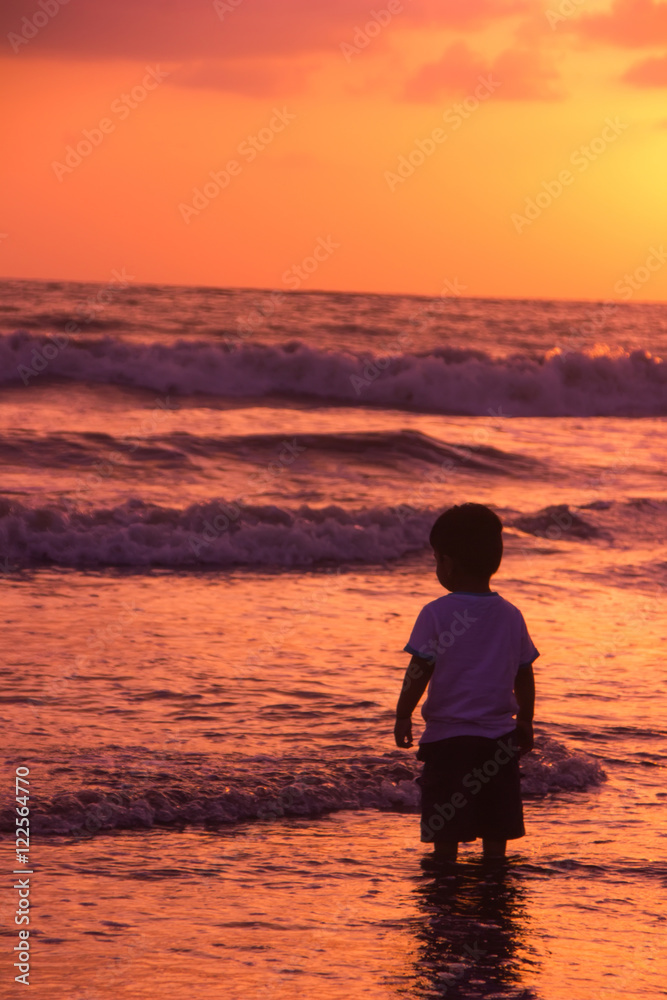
[524, 692]
[415, 681]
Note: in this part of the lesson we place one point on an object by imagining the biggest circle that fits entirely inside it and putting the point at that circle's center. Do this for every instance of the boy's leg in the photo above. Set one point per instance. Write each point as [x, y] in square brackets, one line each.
[493, 848]
[446, 849]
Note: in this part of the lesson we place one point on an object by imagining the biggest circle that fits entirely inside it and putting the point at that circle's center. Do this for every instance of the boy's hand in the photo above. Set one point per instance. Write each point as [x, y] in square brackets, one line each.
[524, 735]
[403, 733]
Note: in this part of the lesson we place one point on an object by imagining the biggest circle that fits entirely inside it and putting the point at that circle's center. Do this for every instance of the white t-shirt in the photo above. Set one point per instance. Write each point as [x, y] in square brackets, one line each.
[478, 641]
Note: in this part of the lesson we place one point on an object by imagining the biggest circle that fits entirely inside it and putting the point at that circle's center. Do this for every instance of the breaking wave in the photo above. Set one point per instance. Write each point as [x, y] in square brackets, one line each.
[86, 449]
[446, 380]
[218, 533]
[275, 789]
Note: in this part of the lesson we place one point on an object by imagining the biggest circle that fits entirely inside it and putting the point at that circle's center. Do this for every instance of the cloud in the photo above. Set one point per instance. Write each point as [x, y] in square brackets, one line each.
[628, 24]
[249, 77]
[180, 29]
[648, 73]
[457, 69]
[522, 74]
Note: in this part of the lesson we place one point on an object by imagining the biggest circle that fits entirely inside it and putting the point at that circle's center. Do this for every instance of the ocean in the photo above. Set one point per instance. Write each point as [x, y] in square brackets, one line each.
[214, 521]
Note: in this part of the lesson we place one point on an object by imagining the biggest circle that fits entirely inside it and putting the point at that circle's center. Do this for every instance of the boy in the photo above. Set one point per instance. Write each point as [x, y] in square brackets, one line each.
[474, 648]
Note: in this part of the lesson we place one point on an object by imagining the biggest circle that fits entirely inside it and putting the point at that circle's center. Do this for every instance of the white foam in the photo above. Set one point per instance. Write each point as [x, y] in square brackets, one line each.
[217, 533]
[448, 380]
[384, 783]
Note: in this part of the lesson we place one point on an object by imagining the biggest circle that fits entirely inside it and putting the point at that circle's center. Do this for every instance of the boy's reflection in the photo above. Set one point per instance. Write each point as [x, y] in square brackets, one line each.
[473, 939]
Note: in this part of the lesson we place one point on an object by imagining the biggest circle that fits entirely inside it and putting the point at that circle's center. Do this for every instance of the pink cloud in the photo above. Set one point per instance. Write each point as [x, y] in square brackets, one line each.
[250, 77]
[178, 29]
[457, 69]
[522, 74]
[648, 73]
[629, 23]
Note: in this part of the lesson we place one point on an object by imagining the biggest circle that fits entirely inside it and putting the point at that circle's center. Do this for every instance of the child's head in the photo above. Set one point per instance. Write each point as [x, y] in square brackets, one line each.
[467, 542]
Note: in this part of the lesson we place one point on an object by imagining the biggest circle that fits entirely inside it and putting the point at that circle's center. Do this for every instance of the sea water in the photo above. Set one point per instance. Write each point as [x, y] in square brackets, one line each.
[214, 524]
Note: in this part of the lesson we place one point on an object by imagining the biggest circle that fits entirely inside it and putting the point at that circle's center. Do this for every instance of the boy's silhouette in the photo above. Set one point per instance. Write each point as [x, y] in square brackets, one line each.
[474, 648]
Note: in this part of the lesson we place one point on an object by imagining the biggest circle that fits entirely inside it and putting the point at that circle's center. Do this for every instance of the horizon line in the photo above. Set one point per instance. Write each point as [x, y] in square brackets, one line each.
[342, 291]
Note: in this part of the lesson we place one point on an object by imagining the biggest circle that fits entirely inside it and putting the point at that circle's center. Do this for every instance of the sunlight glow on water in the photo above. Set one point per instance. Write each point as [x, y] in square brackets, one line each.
[223, 809]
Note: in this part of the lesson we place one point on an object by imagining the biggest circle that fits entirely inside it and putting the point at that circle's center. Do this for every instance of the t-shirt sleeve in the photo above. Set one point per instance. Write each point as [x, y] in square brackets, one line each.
[528, 652]
[424, 636]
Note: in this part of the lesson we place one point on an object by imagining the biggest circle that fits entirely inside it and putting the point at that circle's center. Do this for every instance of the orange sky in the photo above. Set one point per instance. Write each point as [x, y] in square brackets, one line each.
[508, 147]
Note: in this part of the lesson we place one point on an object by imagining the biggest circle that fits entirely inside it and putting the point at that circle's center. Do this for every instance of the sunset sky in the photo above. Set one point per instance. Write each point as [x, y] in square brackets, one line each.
[509, 148]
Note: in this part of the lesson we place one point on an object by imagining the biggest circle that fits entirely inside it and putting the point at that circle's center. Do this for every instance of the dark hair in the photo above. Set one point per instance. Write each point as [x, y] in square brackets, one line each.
[470, 534]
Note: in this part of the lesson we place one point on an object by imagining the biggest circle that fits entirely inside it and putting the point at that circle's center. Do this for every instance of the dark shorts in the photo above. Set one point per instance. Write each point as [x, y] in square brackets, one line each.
[471, 788]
